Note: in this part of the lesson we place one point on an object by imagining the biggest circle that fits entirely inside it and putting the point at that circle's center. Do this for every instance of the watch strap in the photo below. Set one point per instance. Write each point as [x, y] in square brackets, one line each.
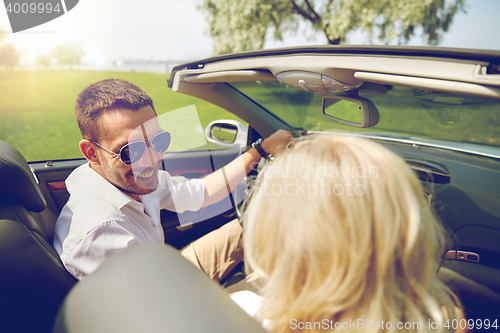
[260, 150]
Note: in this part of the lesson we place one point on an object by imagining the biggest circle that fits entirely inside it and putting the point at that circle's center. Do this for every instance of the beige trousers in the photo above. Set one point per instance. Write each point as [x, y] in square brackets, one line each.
[218, 252]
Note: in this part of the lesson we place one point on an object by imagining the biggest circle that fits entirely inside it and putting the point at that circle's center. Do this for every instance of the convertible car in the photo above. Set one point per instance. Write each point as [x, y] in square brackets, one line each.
[438, 108]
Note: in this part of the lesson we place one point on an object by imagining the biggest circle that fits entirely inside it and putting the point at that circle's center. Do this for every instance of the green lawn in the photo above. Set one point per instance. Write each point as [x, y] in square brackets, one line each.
[36, 110]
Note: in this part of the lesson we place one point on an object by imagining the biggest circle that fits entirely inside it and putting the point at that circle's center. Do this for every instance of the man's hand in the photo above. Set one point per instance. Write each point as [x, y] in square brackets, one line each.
[230, 176]
[276, 142]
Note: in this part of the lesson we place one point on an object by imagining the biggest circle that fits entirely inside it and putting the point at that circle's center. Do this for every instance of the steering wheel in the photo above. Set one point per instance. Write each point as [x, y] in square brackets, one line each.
[248, 180]
[243, 189]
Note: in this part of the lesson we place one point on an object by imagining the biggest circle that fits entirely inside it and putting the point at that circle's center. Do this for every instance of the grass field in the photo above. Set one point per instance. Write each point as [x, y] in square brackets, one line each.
[36, 110]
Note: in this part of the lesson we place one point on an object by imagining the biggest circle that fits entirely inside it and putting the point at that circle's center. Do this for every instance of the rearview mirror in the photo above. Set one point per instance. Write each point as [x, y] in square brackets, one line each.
[351, 110]
[227, 133]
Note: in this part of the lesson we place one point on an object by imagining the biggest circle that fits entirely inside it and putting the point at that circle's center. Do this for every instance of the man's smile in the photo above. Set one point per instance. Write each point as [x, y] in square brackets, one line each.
[146, 174]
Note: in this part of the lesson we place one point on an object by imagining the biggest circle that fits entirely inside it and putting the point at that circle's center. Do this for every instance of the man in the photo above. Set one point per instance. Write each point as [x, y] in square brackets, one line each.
[115, 199]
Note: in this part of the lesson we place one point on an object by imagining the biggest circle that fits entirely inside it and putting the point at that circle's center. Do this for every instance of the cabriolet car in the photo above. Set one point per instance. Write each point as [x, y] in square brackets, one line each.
[438, 108]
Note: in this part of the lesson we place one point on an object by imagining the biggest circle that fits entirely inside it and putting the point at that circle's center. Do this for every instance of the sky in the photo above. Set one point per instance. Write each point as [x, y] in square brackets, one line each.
[174, 30]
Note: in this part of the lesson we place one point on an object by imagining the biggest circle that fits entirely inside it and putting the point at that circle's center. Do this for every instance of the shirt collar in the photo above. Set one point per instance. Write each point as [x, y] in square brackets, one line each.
[84, 179]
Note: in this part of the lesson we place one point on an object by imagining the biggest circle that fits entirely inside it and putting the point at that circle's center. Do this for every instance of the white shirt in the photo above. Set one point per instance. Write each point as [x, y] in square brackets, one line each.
[99, 219]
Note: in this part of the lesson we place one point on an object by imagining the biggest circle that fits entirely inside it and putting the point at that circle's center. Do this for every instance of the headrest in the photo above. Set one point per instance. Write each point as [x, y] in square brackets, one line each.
[150, 288]
[17, 184]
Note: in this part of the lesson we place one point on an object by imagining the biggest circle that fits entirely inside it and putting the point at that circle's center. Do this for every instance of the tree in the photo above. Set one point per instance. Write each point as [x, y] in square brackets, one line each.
[68, 54]
[9, 57]
[43, 61]
[243, 25]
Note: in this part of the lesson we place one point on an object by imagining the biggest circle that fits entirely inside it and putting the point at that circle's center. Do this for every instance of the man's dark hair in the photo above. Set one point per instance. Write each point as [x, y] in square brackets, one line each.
[109, 94]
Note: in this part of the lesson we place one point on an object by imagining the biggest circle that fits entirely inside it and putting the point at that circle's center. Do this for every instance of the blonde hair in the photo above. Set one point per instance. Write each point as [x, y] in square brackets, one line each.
[339, 229]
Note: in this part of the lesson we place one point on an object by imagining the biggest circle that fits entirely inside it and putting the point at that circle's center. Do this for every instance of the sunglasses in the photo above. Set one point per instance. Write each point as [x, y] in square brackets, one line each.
[132, 152]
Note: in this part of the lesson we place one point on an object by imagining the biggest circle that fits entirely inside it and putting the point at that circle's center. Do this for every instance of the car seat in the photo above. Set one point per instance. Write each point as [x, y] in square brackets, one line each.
[33, 280]
[150, 288]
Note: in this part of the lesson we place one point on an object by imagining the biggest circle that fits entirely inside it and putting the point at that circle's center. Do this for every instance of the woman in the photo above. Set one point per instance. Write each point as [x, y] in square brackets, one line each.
[340, 232]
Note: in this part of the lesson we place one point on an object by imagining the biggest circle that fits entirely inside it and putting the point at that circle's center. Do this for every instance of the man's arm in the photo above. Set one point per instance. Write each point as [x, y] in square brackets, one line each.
[232, 174]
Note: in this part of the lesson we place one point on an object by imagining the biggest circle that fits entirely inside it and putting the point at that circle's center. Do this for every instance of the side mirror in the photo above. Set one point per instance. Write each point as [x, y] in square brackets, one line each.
[351, 110]
[227, 133]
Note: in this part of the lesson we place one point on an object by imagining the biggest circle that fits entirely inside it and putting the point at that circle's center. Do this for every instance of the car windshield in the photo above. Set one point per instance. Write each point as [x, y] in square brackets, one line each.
[405, 113]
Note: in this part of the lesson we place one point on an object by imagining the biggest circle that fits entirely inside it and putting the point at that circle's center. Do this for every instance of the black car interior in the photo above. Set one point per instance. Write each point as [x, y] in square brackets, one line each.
[33, 280]
[464, 192]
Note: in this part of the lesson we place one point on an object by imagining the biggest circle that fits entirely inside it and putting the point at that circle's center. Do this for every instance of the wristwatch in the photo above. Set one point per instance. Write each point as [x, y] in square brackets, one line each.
[257, 145]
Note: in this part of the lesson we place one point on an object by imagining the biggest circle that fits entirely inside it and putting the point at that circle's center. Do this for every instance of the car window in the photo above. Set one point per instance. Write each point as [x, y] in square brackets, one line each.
[37, 110]
[404, 113]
